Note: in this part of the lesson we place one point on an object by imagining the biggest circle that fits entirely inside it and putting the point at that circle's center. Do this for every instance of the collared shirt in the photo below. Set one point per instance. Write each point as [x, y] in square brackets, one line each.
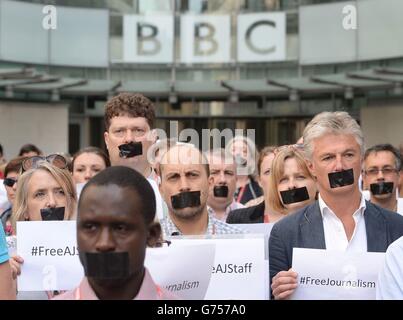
[400, 206]
[148, 291]
[399, 210]
[390, 278]
[214, 226]
[335, 235]
[154, 176]
[233, 206]
[159, 202]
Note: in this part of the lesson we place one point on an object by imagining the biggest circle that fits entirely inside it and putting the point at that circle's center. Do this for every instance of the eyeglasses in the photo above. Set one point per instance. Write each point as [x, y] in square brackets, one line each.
[385, 171]
[54, 159]
[9, 182]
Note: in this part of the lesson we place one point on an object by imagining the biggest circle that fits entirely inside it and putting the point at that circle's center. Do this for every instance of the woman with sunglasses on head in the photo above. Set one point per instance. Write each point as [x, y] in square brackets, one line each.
[44, 192]
[291, 185]
[244, 151]
[260, 211]
[11, 173]
[87, 163]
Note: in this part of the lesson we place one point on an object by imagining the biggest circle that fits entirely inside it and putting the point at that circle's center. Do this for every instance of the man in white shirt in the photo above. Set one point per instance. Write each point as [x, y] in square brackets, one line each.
[381, 169]
[390, 279]
[341, 219]
[129, 122]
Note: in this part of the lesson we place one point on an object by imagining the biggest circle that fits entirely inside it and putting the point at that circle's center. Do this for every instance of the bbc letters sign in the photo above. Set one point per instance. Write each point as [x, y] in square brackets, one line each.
[205, 39]
[260, 37]
[148, 39]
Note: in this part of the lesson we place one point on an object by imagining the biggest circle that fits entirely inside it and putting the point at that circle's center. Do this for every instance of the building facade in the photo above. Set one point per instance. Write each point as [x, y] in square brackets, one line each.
[268, 65]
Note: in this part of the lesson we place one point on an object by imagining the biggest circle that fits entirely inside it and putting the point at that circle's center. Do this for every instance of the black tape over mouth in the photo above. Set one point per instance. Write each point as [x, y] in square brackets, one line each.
[381, 188]
[186, 200]
[294, 195]
[130, 150]
[53, 214]
[341, 178]
[106, 265]
[221, 191]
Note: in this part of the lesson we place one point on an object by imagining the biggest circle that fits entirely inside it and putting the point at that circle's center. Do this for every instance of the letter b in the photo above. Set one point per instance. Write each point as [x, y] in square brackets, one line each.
[199, 38]
[151, 38]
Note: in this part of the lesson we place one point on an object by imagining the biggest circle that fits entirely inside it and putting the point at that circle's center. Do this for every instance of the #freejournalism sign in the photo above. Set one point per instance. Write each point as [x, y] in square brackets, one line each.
[260, 37]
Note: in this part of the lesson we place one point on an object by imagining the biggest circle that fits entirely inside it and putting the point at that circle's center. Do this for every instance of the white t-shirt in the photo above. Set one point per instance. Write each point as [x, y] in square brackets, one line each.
[390, 278]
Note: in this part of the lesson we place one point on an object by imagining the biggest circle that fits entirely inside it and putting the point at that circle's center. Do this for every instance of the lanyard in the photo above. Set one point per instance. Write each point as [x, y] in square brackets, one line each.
[240, 194]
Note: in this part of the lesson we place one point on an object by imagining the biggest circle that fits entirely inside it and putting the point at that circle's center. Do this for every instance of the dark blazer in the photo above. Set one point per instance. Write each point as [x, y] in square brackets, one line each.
[304, 229]
[253, 214]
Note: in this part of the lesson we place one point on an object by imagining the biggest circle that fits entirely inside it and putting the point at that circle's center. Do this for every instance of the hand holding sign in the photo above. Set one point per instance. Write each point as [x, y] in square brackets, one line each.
[284, 284]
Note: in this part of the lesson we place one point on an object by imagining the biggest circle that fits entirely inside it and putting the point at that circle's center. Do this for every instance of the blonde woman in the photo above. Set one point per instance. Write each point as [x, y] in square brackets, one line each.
[44, 192]
[291, 184]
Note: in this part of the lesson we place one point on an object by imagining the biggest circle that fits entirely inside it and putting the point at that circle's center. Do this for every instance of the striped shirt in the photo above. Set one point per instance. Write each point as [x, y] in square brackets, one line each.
[214, 226]
[233, 206]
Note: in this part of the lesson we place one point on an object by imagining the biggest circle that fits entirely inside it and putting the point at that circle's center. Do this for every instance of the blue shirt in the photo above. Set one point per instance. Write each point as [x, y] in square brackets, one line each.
[3, 246]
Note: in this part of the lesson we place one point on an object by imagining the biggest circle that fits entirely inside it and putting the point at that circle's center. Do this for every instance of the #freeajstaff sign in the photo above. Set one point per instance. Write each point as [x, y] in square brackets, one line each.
[51, 261]
[240, 262]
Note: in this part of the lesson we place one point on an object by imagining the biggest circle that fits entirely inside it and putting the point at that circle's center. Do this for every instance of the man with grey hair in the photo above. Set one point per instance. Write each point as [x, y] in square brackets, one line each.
[221, 200]
[184, 185]
[380, 174]
[341, 219]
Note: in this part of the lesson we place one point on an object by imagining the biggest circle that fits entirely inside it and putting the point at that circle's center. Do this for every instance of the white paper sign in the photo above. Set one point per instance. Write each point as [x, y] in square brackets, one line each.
[148, 39]
[205, 38]
[184, 271]
[326, 274]
[50, 255]
[261, 37]
[240, 270]
[257, 228]
[51, 261]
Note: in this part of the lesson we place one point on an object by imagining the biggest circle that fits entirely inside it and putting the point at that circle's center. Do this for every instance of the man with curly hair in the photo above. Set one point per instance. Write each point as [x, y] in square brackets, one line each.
[129, 123]
[129, 120]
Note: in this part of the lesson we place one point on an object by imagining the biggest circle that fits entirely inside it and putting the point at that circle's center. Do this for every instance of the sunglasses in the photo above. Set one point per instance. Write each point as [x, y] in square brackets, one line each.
[9, 182]
[54, 159]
